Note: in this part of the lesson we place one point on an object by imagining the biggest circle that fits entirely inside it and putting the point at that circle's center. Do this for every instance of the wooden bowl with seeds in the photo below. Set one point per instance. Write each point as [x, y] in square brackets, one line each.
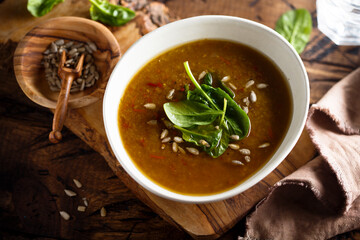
[34, 65]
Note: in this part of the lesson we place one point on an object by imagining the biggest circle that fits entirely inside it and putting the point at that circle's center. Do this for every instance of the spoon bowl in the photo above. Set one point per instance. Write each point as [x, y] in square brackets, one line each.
[29, 54]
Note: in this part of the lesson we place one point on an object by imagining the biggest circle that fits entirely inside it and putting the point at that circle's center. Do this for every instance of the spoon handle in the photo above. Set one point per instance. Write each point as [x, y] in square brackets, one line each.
[61, 109]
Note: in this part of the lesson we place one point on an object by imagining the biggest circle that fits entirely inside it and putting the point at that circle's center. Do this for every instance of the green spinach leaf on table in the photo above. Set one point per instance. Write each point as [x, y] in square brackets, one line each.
[39, 8]
[113, 15]
[295, 26]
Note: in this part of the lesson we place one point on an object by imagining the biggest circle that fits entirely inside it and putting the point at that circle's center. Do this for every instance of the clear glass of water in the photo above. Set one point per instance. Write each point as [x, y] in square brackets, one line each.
[339, 20]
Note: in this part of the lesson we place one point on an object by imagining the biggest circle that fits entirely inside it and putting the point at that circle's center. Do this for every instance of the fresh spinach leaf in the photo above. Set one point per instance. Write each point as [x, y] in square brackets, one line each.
[208, 80]
[295, 26]
[39, 8]
[113, 15]
[187, 113]
[227, 89]
[223, 142]
[237, 119]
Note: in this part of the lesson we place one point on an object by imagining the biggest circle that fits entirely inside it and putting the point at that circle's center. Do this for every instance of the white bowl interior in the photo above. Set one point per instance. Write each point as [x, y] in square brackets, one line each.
[234, 29]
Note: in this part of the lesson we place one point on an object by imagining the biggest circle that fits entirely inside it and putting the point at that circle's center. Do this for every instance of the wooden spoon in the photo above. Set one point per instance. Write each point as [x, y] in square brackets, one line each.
[67, 76]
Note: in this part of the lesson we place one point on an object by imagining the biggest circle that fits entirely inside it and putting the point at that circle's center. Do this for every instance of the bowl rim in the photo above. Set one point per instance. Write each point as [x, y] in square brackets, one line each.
[260, 173]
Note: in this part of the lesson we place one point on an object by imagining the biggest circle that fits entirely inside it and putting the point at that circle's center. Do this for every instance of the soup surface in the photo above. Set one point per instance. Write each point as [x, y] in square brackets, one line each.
[201, 174]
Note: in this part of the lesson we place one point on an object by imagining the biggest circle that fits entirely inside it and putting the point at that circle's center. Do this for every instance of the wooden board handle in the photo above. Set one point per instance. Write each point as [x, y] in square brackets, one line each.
[61, 109]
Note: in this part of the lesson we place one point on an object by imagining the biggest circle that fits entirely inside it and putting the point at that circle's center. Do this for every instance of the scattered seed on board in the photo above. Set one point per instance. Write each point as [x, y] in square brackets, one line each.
[235, 137]
[92, 46]
[234, 146]
[77, 183]
[81, 208]
[202, 74]
[70, 193]
[192, 150]
[174, 147]
[165, 140]
[151, 106]
[103, 212]
[164, 133]
[247, 158]
[178, 139]
[237, 162]
[246, 109]
[86, 203]
[204, 143]
[244, 151]
[232, 86]
[181, 150]
[264, 145]
[170, 95]
[152, 122]
[225, 79]
[163, 146]
[64, 215]
[262, 85]
[249, 83]
[252, 96]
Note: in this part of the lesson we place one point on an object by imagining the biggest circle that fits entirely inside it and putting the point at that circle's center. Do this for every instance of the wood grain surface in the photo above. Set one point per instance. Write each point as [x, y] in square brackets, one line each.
[34, 173]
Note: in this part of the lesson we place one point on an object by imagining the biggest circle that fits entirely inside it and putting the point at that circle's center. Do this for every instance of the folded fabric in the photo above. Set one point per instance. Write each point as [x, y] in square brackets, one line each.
[322, 198]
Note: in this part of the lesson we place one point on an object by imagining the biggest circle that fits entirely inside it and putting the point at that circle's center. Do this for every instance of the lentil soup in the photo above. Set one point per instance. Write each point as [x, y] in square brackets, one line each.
[157, 148]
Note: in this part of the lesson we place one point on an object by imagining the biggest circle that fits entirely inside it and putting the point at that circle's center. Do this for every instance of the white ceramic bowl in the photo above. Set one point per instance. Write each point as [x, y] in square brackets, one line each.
[174, 34]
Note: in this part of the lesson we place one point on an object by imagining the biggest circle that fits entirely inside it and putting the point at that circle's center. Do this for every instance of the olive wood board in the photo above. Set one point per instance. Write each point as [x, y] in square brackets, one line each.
[209, 220]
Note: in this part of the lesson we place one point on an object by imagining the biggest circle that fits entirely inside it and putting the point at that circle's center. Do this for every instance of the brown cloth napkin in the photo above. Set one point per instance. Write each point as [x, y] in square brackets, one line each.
[321, 199]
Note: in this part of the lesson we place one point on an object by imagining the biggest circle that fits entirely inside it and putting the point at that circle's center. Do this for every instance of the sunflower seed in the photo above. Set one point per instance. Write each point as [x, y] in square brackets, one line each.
[193, 150]
[163, 146]
[64, 215]
[53, 47]
[85, 202]
[204, 143]
[165, 140]
[232, 86]
[262, 85]
[246, 109]
[235, 137]
[58, 84]
[252, 96]
[69, 44]
[234, 146]
[77, 183]
[249, 83]
[72, 51]
[225, 79]
[92, 69]
[70, 193]
[152, 122]
[151, 106]
[103, 212]
[244, 151]
[170, 95]
[88, 49]
[92, 46]
[237, 162]
[75, 89]
[178, 139]
[247, 158]
[59, 42]
[202, 74]
[174, 147]
[264, 145]
[168, 124]
[81, 50]
[164, 133]
[46, 52]
[181, 150]
[81, 208]
[87, 58]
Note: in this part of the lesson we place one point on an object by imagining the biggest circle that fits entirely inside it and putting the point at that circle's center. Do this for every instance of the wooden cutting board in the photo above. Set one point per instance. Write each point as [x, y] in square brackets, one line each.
[213, 219]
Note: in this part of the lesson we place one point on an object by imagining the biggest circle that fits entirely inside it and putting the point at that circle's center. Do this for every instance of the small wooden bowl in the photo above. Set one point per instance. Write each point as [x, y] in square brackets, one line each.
[30, 72]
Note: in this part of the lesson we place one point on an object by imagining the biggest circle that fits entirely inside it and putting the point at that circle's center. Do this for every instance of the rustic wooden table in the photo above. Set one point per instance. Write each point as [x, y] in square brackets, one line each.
[34, 172]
